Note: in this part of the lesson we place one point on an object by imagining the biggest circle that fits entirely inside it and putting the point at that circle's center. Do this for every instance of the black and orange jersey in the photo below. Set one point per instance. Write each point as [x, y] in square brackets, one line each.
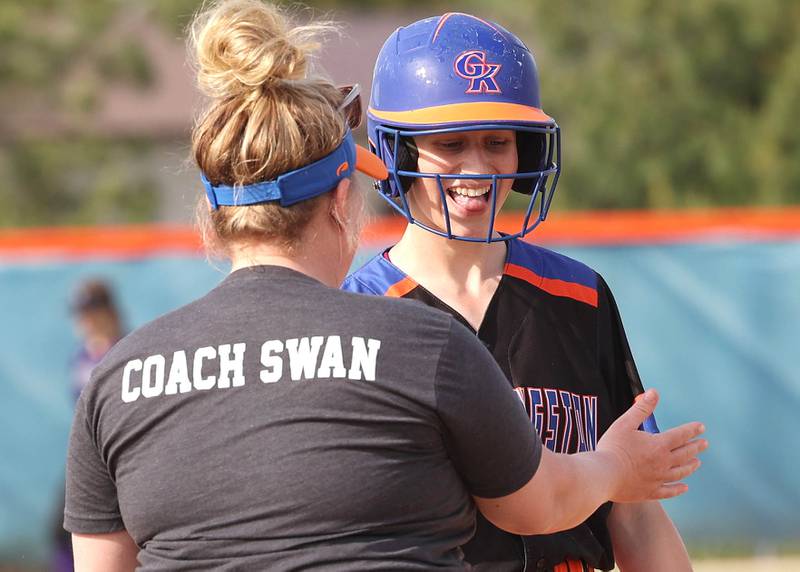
[554, 329]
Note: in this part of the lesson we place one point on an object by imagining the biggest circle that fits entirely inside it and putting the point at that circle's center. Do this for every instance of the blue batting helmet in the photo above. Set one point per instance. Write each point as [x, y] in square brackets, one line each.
[457, 72]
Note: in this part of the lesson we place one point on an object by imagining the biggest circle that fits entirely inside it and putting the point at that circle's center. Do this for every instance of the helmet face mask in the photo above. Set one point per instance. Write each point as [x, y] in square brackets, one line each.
[457, 74]
[395, 147]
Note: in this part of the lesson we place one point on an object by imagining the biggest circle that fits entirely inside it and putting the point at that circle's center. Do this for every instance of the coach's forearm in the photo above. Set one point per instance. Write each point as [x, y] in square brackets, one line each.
[581, 483]
[565, 490]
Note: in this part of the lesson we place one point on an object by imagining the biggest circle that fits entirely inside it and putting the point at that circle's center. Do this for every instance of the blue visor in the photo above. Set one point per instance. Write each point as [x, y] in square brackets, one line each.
[303, 183]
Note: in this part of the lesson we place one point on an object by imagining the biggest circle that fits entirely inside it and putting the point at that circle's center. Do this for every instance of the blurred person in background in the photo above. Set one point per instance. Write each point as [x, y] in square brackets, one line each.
[455, 114]
[98, 324]
[279, 423]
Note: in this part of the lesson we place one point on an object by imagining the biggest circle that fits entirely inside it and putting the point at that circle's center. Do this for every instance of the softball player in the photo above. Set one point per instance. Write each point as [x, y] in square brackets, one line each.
[279, 423]
[456, 116]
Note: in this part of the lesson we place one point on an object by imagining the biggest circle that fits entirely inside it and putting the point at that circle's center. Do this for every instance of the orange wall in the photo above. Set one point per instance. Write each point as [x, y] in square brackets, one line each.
[589, 228]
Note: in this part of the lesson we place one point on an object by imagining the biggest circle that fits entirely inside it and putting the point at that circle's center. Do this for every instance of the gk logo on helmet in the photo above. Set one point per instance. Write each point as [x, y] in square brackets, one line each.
[472, 65]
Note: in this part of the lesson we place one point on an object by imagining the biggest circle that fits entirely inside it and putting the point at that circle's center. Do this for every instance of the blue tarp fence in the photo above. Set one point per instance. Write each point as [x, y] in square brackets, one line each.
[715, 326]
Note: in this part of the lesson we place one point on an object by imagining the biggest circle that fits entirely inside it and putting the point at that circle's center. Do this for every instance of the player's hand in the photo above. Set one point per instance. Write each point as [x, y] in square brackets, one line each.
[649, 466]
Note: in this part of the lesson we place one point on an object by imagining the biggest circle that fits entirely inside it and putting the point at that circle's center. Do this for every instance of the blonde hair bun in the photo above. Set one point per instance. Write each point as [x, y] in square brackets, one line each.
[267, 115]
[242, 45]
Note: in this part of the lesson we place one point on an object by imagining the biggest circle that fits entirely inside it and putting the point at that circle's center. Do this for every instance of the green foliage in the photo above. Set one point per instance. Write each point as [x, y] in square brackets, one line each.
[662, 104]
[174, 14]
[43, 40]
[82, 181]
[57, 56]
[671, 104]
[126, 62]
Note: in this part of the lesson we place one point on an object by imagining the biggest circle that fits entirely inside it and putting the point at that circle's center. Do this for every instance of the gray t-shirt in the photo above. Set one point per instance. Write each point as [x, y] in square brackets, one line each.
[280, 424]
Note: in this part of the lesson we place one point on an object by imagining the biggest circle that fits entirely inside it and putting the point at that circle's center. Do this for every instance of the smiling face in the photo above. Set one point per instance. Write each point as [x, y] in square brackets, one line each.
[469, 200]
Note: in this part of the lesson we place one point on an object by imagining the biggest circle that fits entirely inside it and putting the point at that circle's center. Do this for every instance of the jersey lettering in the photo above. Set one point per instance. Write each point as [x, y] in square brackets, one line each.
[273, 364]
[201, 355]
[537, 407]
[578, 411]
[130, 394]
[303, 355]
[566, 433]
[178, 380]
[231, 365]
[315, 357]
[153, 376]
[566, 422]
[550, 435]
[365, 359]
[590, 423]
[332, 363]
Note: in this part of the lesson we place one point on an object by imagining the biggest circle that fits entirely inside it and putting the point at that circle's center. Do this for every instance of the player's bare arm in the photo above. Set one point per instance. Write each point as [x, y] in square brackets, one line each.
[628, 466]
[646, 540]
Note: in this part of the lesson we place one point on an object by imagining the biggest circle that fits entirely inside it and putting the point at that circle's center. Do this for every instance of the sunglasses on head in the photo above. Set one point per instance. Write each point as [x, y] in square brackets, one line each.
[351, 105]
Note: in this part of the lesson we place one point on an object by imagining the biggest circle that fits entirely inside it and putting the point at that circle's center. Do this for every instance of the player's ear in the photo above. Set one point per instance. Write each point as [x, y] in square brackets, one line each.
[340, 197]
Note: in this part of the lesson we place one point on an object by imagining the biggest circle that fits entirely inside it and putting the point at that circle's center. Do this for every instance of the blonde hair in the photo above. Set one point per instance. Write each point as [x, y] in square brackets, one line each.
[267, 115]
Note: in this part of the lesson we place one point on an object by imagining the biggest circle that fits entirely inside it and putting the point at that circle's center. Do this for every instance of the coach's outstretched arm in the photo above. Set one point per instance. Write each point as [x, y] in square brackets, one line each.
[628, 466]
